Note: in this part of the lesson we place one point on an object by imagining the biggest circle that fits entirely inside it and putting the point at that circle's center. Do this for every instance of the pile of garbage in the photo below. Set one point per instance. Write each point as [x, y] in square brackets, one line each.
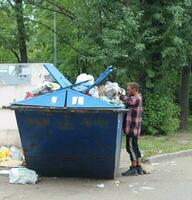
[20, 175]
[11, 153]
[108, 92]
[85, 81]
[43, 88]
[11, 159]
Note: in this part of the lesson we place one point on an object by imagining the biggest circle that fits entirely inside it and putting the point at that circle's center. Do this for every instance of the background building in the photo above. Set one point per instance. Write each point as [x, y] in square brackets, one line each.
[15, 81]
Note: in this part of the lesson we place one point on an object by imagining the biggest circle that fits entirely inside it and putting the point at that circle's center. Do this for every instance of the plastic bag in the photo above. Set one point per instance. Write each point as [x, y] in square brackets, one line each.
[43, 88]
[110, 93]
[101, 90]
[22, 176]
[85, 77]
[5, 154]
[112, 90]
[46, 87]
[16, 154]
[94, 92]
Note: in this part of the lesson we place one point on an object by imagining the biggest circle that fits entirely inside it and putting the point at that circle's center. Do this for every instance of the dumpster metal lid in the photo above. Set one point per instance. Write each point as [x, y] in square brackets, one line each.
[56, 99]
[80, 100]
[57, 75]
[102, 77]
[67, 97]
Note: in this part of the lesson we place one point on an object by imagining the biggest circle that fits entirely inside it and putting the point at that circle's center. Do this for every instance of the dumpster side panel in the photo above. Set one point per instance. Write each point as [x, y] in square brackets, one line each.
[70, 144]
[118, 142]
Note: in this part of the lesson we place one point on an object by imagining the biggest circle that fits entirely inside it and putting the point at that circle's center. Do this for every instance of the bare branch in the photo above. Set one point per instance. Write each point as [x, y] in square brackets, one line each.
[61, 8]
[7, 45]
[10, 3]
[60, 11]
[16, 55]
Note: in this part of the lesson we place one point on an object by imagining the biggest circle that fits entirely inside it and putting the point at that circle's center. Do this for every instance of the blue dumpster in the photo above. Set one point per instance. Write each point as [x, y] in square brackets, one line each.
[67, 133]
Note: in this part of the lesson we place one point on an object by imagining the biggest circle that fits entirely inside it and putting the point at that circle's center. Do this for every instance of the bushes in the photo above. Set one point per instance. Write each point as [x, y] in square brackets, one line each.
[160, 115]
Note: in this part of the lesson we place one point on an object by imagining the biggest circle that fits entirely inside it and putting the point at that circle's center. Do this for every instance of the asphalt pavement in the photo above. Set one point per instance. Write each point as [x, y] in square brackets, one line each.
[168, 180]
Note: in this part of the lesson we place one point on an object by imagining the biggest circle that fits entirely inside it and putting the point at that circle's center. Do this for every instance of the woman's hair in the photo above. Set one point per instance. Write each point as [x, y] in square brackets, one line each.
[134, 85]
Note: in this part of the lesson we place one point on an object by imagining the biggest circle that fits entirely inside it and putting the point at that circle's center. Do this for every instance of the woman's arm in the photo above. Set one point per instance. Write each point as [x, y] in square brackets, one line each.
[130, 101]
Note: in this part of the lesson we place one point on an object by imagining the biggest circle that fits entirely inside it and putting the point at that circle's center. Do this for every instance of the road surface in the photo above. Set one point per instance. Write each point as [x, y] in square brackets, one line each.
[169, 180]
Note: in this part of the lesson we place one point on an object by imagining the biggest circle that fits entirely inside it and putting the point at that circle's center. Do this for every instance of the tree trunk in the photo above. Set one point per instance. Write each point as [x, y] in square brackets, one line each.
[184, 97]
[21, 31]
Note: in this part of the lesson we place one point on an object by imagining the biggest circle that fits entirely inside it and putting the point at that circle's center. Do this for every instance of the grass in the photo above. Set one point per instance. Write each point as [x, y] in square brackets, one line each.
[153, 145]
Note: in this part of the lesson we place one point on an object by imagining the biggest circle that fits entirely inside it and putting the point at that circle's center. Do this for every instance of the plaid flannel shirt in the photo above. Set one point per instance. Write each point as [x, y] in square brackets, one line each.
[133, 118]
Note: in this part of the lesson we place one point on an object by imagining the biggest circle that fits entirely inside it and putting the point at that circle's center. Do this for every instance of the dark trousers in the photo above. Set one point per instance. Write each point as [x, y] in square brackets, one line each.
[133, 148]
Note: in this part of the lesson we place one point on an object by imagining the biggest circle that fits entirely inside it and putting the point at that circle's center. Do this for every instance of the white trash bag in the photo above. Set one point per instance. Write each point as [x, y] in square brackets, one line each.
[16, 154]
[22, 176]
[94, 92]
[85, 77]
[84, 86]
[112, 90]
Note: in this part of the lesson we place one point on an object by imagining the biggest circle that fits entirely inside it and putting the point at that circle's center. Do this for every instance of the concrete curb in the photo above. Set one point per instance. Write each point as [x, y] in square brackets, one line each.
[169, 156]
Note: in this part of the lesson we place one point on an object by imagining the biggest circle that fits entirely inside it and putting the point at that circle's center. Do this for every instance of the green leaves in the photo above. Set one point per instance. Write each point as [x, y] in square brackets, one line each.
[179, 15]
[140, 47]
[160, 114]
[188, 3]
[150, 73]
[148, 43]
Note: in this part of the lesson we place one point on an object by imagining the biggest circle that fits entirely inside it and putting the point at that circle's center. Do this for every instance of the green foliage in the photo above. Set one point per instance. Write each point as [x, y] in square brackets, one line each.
[160, 115]
[152, 145]
[148, 42]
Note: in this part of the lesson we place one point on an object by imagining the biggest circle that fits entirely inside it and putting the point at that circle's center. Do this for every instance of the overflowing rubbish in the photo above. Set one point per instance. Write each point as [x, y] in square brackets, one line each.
[85, 83]
[16, 154]
[108, 92]
[5, 153]
[87, 80]
[11, 153]
[43, 88]
[112, 89]
[22, 176]
[94, 92]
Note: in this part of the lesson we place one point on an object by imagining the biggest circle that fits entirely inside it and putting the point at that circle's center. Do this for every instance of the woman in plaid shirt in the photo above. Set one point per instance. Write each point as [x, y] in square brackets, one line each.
[132, 128]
